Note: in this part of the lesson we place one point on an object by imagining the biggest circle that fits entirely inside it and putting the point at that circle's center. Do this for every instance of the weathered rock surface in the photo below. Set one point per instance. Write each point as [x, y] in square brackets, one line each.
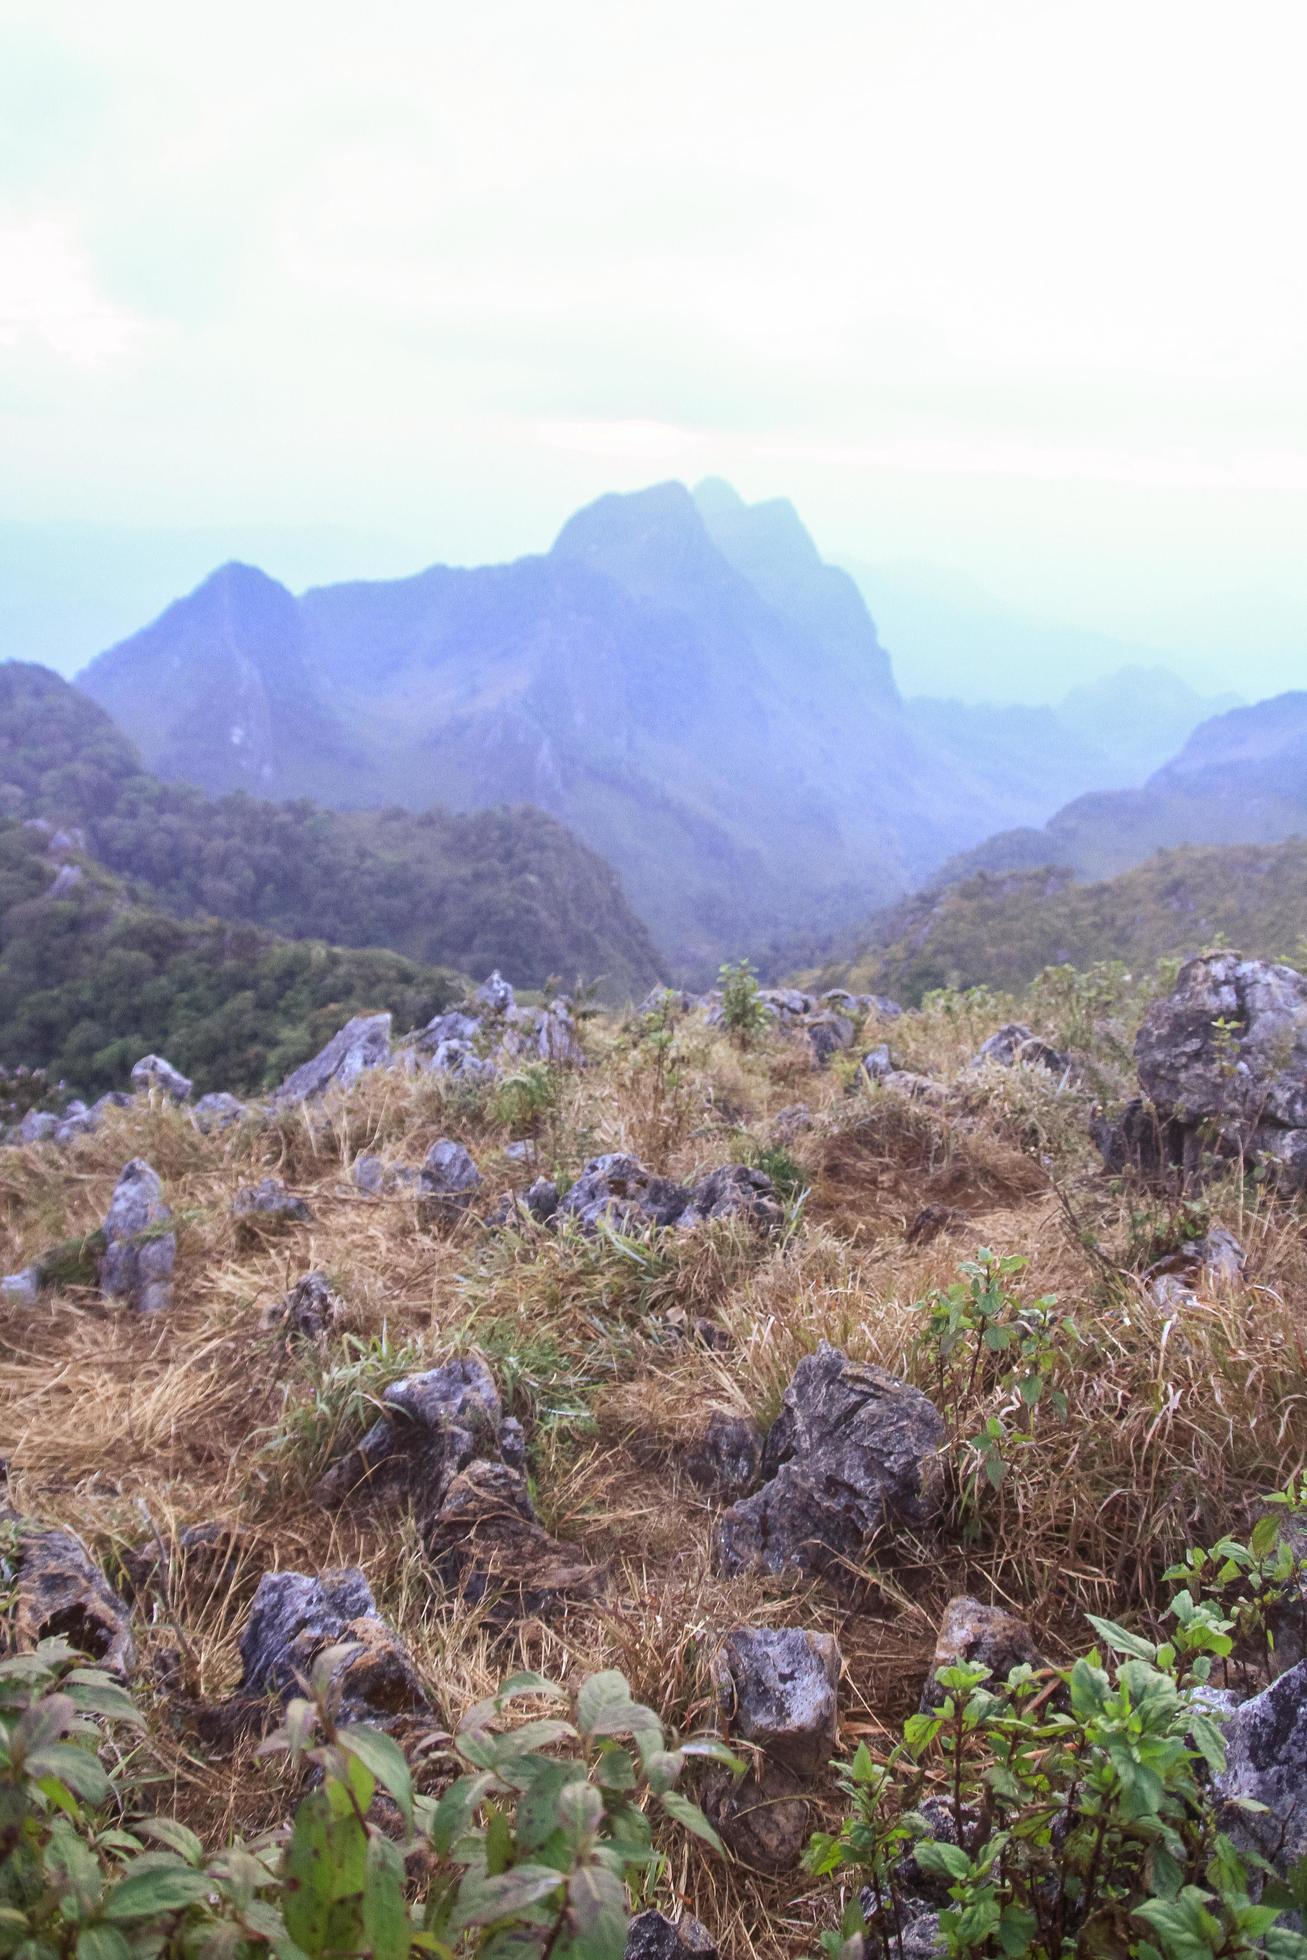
[1224, 1058]
[310, 1310]
[617, 1190]
[986, 1636]
[363, 1043]
[59, 1590]
[486, 1543]
[218, 1111]
[852, 1451]
[152, 1072]
[776, 1690]
[294, 1616]
[139, 1254]
[1212, 1264]
[449, 1180]
[269, 1203]
[828, 1033]
[433, 1424]
[652, 1936]
[495, 995]
[1266, 1760]
[1017, 1046]
[21, 1289]
[731, 1191]
[536, 1205]
[726, 1457]
[376, 1178]
[878, 1063]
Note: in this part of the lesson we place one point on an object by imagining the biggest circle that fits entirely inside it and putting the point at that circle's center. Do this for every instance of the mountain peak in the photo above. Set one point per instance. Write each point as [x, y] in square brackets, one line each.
[651, 541]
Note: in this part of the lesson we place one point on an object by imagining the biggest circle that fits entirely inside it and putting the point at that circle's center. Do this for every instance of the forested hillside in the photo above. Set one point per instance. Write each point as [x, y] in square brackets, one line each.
[502, 887]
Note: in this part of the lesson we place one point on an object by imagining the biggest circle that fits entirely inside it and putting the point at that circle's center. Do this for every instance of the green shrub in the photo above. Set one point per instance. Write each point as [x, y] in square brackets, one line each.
[744, 1014]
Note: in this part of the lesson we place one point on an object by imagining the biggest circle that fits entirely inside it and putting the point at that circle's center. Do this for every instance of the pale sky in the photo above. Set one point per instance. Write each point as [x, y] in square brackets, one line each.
[1014, 287]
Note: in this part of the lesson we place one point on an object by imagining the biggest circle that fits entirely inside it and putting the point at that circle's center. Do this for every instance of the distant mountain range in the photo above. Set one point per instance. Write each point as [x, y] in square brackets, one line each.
[680, 679]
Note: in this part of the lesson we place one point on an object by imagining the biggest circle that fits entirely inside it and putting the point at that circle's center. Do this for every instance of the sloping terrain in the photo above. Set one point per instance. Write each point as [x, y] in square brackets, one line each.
[613, 1349]
[501, 887]
[1000, 929]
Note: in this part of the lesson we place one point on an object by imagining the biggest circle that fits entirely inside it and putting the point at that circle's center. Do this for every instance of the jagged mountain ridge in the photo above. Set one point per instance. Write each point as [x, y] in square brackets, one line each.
[680, 678]
[506, 886]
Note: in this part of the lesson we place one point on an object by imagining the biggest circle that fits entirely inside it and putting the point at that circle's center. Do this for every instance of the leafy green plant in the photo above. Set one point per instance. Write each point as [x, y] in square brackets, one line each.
[525, 1101]
[343, 1391]
[529, 1851]
[1261, 1584]
[744, 1012]
[995, 1359]
[1070, 1813]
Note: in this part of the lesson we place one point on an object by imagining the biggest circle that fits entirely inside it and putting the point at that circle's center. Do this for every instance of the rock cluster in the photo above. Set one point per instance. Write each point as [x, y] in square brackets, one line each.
[139, 1251]
[619, 1192]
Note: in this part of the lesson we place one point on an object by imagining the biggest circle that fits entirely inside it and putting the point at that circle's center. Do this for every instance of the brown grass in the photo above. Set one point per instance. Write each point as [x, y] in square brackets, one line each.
[129, 1431]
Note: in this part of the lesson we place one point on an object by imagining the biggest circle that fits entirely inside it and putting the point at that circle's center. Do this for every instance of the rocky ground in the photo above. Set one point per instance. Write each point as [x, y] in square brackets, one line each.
[575, 1342]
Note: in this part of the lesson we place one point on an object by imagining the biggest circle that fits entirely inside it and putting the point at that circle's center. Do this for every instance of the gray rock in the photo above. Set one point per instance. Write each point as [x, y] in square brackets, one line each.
[882, 1005]
[1266, 1760]
[138, 1258]
[433, 1424]
[59, 1589]
[556, 1039]
[66, 879]
[38, 1126]
[269, 1203]
[310, 1310]
[652, 1936]
[218, 1111]
[786, 1004]
[673, 1002]
[460, 1060]
[986, 1636]
[21, 1289]
[877, 1063]
[363, 1043]
[776, 1689]
[732, 1191]
[494, 995]
[1223, 1059]
[376, 1178]
[521, 1152]
[727, 1456]
[852, 1451]
[294, 1616]
[449, 1180]
[1016, 1046]
[791, 1122]
[827, 1035]
[454, 1026]
[618, 1191]
[153, 1072]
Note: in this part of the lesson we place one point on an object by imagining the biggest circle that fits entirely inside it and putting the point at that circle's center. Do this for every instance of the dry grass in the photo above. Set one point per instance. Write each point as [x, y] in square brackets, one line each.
[129, 1431]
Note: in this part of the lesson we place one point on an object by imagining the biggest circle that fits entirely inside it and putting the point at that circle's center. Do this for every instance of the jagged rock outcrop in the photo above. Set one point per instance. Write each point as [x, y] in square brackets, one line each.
[377, 1179]
[1223, 1061]
[620, 1192]
[1266, 1761]
[776, 1691]
[986, 1636]
[828, 1033]
[152, 1072]
[449, 1181]
[218, 1111]
[57, 1589]
[311, 1309]
[537, 1205]
[294, 1616]
[269, 1202]
[1017, 1046]
[139, 1254]
[853, 1450]
[726, 1456]
[362, 1044]
[486, 1543]
[1212, 1264]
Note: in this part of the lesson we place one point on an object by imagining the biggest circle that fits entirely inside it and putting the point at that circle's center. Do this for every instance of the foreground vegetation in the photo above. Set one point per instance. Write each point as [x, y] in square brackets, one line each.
[1098, 1429]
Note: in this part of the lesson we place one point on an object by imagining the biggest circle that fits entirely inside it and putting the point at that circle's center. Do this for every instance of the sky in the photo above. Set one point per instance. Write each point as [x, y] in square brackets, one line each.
[1008, 293]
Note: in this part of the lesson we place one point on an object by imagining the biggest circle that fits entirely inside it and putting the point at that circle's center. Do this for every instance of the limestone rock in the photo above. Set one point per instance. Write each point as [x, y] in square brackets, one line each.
[877, 1063]
[137, 1263]
[21, 1289]
[828, 1033]
[732, 1191]
[486, 1543]
[38, 1126]
[294, 1616]
[60, 1590]
[153, 1072]
[495, 995]
[432, 1425]
[218, 1111]
[618, 1191]
[310, 1310]
[1266, 1760]
[776, 1689]
[269, 1203]
[363, 1043]
[853, 1450]
[449, 1180]
[1016, 1046]
[726, 1456]
[652, 1936]
[984, 1635]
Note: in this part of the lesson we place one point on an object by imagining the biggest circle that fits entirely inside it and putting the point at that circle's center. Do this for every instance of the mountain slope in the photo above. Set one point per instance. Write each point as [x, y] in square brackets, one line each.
[500, 887]
[680, 679]
[1000, 929]
[1241, 778]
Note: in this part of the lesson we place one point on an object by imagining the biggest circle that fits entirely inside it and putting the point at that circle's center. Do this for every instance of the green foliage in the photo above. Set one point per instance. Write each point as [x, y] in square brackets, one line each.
[996, 1358]
[342, 1397]
[1260, 1586]
[1079, 1817]
[529, 1850]
[744, 1014]
[526, 1101]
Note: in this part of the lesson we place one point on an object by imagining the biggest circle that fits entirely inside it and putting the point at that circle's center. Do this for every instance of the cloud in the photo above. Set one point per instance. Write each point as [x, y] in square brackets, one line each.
[50, 300]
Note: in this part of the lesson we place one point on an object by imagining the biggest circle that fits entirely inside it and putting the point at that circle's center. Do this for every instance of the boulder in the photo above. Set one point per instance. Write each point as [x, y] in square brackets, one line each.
[58, 1589]
[1266, 1761]
[152, 1072]
[786, 1004]
[732, 1191]
[218, 1111]
[877, 1063]
[652, 1936]
[376, 1178]
[449, 1180]
[486, 1543]
[1224, 1058]
[536, 1205]
[294, 1616]
[828, 1033]
[1212, 1264]
[775, 1689]
[454, 1026]
[616, 1190]
[310, 1310]
[791, 1122]
[431, 1425]
[853, 1450]
[139, 1254]
[269, 1203]
[1015, 1046]
[38, 1126]
[986, 1636]
[363, 1043]
[460, 1060]
[495, 995]
[726, 1456]
[1137, 1139]
[882, 1005]
[556, 1039]
[21, 1289]
[665, 1002]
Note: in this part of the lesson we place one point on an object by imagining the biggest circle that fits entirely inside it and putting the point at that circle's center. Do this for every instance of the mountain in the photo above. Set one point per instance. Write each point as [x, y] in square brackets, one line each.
[1241, 778]
[502, 887]
[1000, 929]
[680, 679]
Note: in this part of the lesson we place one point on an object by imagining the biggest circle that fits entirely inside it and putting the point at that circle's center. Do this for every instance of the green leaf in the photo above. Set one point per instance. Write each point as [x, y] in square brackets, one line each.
[76, 1767]
[384, 1758]
[150, 1894]
[306, 1874]
[386, 1929]
[1120, 1641]
[102, 1943]
[482, 1900]
[947, 1860]
[454, 1811]
[167, 1831]
[596, 1899]
[689, 1814]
